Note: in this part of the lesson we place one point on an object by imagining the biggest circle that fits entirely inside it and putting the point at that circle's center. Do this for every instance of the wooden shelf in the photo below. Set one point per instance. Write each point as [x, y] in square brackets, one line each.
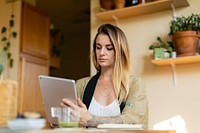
[141, 9]
[178, 60]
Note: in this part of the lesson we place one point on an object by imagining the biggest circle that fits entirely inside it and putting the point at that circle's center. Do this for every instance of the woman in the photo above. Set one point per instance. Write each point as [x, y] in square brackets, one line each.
[112, 95]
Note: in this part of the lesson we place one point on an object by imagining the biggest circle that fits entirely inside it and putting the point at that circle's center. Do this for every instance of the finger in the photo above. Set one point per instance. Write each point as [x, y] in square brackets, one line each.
[63, 105]
[80, 103]
[68, 103]
[82, 122]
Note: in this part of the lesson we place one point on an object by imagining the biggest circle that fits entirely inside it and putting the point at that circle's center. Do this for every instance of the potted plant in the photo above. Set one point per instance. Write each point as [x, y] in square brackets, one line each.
[8, 87]
[184, 32]
[161, 48]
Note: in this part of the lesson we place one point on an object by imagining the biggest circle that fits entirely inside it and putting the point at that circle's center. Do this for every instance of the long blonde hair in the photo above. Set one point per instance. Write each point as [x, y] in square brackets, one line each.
[121, 71]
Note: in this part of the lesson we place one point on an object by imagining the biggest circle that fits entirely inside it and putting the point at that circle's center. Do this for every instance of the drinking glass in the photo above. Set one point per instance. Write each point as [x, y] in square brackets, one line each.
[67, 117]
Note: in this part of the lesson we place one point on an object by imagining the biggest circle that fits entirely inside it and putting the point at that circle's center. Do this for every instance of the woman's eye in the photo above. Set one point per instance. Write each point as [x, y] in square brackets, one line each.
[98, 47]
[110, 48]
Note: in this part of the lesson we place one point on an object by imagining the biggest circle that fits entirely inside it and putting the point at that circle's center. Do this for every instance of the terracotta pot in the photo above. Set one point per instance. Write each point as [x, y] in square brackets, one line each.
[186, 43]
[107, 4]
[119, 4]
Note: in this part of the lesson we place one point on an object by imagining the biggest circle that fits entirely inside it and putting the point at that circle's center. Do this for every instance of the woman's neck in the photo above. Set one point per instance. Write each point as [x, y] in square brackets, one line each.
[106, 74]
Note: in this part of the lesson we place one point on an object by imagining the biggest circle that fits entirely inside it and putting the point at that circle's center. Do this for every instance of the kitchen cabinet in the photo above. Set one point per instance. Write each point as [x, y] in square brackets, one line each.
[31, 97]
[35, 32]
[34, 58]
[141, 9]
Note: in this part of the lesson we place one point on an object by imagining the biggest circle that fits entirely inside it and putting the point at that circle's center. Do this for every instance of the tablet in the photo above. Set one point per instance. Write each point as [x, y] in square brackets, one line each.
[53, 90]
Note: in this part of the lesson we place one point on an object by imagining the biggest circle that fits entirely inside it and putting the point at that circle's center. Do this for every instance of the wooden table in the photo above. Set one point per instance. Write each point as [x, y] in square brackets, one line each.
[82, 130]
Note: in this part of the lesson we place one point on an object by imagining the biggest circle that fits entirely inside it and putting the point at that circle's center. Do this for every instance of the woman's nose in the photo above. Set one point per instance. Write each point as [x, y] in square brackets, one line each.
[102, 52]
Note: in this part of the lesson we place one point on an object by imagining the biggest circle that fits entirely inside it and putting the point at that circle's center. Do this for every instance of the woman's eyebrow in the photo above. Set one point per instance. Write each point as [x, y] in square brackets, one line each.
[109, 45]
[106, 44]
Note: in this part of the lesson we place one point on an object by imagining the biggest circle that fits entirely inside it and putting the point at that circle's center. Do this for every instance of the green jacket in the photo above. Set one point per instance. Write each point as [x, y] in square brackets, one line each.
[136, 107]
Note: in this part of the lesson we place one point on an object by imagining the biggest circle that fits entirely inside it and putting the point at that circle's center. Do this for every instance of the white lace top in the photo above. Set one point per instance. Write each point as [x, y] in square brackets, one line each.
[96, 109]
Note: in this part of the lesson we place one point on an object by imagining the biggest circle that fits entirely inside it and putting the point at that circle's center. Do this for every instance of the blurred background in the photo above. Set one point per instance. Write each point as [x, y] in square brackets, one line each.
[72, 19]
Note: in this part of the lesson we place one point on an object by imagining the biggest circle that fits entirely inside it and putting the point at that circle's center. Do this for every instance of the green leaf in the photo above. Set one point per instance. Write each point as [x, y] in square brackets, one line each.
[4, 39]
[159, 39]
[11, 23]
[8, 44]
[170, 49]
[151, 47]
[9, 55]
[11, 63]
[5, 48]
[14, 34]
[3, 30]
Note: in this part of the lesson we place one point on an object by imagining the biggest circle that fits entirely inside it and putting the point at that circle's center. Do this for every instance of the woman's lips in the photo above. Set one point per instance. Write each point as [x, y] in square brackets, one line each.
[102, 60]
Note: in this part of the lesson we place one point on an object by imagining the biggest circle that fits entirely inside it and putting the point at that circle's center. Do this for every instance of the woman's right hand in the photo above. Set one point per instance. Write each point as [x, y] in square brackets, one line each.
[85, 116]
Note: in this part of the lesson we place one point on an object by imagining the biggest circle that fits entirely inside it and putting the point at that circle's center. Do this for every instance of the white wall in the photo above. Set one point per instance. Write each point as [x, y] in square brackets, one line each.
[165, 100]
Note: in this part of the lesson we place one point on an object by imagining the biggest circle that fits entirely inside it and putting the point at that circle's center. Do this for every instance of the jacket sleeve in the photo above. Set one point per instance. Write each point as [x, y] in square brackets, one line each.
[136, 108]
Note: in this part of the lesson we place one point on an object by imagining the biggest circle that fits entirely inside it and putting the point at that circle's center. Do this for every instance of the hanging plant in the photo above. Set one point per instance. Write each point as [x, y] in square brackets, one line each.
[58, 41]
[6, 34]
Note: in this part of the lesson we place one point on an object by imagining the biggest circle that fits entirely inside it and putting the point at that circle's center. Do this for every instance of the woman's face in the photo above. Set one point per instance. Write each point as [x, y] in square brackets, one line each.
[105, 52]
